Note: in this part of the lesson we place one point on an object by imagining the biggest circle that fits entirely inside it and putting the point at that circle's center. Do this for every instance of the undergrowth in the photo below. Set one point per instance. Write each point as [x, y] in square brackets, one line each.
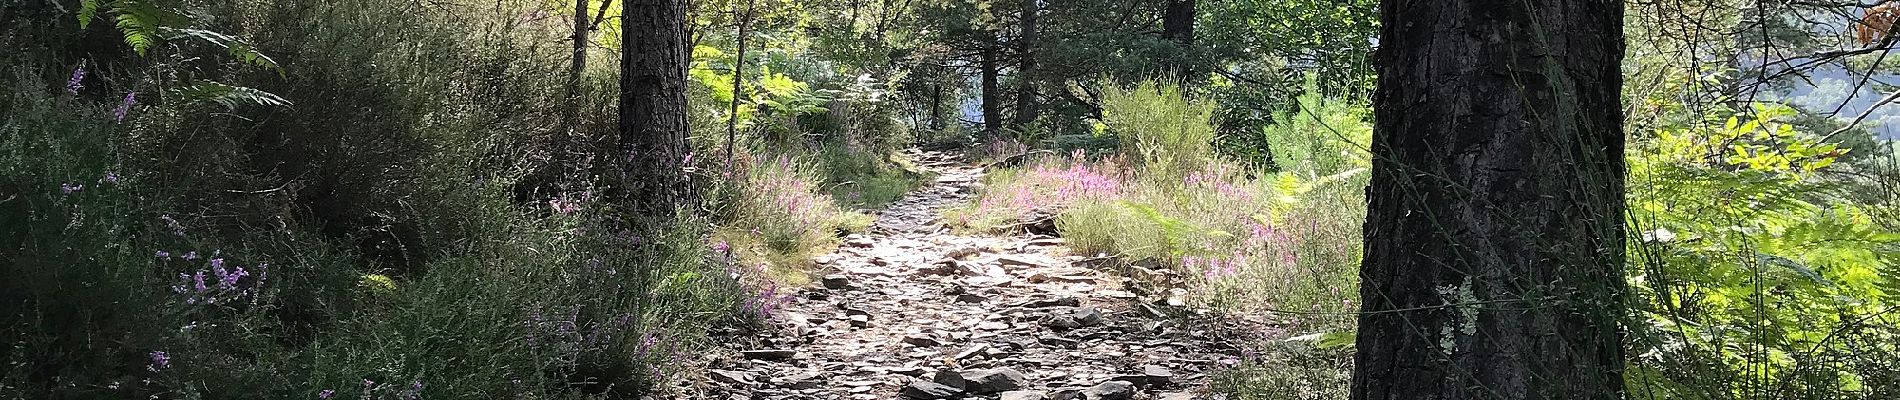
[1282, 244]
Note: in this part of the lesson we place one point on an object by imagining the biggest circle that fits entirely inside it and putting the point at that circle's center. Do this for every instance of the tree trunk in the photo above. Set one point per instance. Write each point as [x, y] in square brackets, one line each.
[1026, 70]
[1494, 238]
[1177, 25]
[738, 80]
[992, 96]
[570, 115]
[936, 107]
[653, 130]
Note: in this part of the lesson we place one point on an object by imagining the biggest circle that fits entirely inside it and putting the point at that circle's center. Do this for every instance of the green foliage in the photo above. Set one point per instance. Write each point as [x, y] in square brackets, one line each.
[1287, 370]
[777, 213]
[139, 21]
[226, 95]
[239, 50]
[1282, 247]
[1169, 134]
[400, 248]
[1756, 268]
[865, 180]
[1321, 136]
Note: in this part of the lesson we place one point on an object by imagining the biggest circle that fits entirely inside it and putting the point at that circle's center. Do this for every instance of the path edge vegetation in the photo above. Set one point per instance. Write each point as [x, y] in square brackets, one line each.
[316, 199]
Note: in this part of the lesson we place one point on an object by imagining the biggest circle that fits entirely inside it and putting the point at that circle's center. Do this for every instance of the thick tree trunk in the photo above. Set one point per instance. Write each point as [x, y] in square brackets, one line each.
[1494, 240]
[653, 130]
[991, 93]
[1026, 69]
[1177, 25]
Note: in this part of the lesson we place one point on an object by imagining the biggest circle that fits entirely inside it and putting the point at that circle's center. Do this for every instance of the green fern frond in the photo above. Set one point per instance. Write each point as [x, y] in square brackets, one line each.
[240, 50]
[139, 22]
[88, 9]
[227, 95]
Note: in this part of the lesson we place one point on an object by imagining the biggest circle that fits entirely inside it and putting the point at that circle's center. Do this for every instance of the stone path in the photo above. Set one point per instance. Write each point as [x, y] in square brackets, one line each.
[911, 310]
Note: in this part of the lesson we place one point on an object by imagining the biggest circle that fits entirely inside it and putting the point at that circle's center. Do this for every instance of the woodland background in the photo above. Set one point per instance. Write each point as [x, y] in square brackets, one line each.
[400, 199]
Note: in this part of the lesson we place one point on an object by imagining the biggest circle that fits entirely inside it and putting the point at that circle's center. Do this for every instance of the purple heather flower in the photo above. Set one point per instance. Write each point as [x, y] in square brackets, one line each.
[160, 360]
[191, 255]
[73, 84]
[198, 281]
[326, 394]
[177, 228]
[263, 271]
[118, 115]
[111, 177]
[69, 188]
[229, 281]
[163, 254]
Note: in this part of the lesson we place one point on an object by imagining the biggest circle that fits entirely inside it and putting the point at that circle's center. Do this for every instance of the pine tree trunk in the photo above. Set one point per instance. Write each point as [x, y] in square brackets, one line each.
[1177, 25]
[992, 96]
[1026, 69]
[653, 130]
[1494, 240]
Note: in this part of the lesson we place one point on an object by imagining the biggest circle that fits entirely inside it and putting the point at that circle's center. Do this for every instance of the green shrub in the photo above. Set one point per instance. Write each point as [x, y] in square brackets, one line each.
[371, 239]
[1167, 133]
[1319, 136]
[862, 178]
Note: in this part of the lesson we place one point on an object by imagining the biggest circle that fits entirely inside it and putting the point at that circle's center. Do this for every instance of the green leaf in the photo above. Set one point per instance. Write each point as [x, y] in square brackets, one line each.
[228, 96]
[240, 50]
[1792, 265]
[88, 9]
[1328, 340]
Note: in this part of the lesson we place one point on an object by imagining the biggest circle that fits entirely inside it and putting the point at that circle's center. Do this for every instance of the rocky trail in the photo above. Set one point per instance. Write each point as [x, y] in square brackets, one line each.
[914, 311]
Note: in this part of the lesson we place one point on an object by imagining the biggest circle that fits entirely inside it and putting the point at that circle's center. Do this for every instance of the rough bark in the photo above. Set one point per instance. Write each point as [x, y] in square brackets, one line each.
[1026, 111]
[1494, 240]
[1177, 25]
[653, 130]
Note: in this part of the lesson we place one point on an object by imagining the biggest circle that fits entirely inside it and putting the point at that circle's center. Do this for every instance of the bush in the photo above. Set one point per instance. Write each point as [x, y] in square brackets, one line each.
[865, 178]
[777, 213]
[1168, 134]
[1319, 136]
[371, 239]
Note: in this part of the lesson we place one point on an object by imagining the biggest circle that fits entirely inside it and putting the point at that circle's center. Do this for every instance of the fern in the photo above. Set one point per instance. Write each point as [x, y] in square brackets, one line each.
[239, 49]
[140, 21]
[88, 9]
[227, 95]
